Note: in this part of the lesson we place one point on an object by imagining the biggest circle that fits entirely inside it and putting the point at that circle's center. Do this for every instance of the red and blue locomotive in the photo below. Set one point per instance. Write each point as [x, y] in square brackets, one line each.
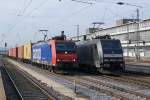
[55, 54]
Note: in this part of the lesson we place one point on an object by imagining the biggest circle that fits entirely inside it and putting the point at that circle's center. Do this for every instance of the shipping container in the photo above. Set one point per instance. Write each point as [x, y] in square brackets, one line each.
[14, 52]
[27, 51]
[10, 52]
[20, 52]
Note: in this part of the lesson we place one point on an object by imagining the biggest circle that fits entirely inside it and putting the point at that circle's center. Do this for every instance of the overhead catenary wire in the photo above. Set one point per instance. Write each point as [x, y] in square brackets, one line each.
[18, 19]
[83, 2]
[22, 7]
[22, 11]
[72, 14]
[18, 15]
[2, 39]
[41, 4]
[38, 7]
[94, 2]
[77, 12]
[91, 1]
[105, 11]
[99, 1]
[22, 17]
[19, 11]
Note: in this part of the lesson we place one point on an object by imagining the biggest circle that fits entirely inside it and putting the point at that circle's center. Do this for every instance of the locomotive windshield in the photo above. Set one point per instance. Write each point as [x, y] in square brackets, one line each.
[111, 47]
[65, 47]
[111, 44]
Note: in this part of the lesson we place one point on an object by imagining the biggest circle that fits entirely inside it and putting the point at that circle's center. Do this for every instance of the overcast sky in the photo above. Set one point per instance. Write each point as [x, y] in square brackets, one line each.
[20, 20]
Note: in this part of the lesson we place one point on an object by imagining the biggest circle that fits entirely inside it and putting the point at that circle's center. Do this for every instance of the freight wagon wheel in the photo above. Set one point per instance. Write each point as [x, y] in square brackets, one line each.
[50, 68]
[47, 67]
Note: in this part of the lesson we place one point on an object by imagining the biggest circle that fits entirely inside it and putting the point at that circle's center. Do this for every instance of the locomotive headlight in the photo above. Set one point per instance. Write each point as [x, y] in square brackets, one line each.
[121, 65]
[58, 60]
[106, 59]
[107, 65]
[74, 60]
[66, 52]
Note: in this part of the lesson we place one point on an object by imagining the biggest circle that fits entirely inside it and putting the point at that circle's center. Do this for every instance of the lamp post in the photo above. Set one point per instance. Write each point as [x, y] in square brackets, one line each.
[137, 53]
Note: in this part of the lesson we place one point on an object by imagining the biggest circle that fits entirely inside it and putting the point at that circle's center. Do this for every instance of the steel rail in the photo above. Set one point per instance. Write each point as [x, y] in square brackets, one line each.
[18, 91]
[31, 81]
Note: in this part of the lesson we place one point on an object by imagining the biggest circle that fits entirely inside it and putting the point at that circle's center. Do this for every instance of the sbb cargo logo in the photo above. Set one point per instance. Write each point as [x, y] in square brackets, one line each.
[36, 53]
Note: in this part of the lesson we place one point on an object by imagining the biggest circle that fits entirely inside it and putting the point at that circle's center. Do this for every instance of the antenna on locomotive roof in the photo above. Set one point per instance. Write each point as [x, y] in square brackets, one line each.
[44, 32]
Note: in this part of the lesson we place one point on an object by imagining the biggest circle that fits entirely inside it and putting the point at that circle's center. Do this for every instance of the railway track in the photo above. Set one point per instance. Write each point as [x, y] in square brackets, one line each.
[97, 85]
[130, 79]
[10, 91]
[25, 89]
[116, 87]
[29, 88]
[111, 90]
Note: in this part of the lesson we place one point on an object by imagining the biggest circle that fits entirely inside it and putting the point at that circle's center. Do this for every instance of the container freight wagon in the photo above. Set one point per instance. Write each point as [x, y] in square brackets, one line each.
[10, 52]
[54, 54]
[103, 55]
[15, 52]
[27, 52]
[20, 52]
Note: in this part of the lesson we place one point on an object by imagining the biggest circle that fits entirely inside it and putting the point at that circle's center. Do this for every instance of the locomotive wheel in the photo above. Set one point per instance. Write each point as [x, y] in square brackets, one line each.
[100, 70]
[103, 71]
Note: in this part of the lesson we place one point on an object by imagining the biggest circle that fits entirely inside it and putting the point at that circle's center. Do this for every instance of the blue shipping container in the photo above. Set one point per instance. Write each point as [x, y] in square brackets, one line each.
[42, 53]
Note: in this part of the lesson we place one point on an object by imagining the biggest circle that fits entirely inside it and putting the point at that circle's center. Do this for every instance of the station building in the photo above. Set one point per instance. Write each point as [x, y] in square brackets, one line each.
[135, 37]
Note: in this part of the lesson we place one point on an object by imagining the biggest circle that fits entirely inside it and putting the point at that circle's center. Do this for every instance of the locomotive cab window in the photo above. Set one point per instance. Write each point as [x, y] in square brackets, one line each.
[65, 47]
[111, 44]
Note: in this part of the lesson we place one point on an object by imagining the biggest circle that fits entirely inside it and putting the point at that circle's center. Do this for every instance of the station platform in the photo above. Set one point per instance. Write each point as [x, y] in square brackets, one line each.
[2, 94]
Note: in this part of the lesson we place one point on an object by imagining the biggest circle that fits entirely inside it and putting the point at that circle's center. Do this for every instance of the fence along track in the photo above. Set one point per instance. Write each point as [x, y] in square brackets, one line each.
[26, 88]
